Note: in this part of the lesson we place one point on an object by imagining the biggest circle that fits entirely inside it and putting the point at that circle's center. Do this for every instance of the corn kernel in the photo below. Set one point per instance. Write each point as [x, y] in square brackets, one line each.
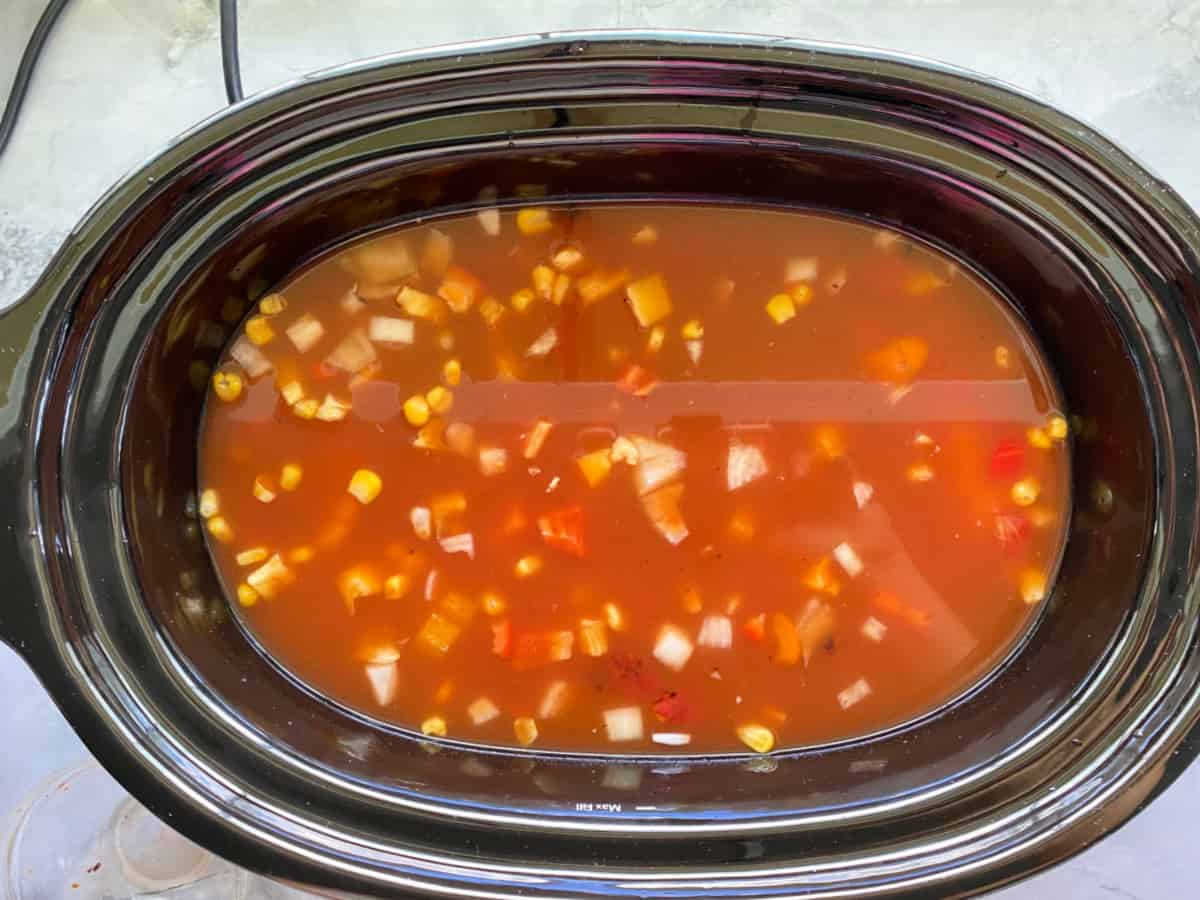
[452, 372]
[219, 528]
[527, 566]
[781, 308]
[435, 726]
[920, 473]
[567, 258]
[1032, 586]
[492, 311]
[562, 284]
[614, 617]
[521, 300]
[1025, 492]
[210, 503]
[645, 236]
[691, 601]
[655, 339]
[290, 476]
[439, 399]
[692, 330]
[758, 738]
[543, 281]
[493, 604]
[306, 408]
[395, 587]
[1038, 438]
[526, 730]
[272, 304]
[364, 486]
[259, 330]
[227, 385]
[252, 556]
[534, 220]
[1002, 356]
[416, 410]
[262, 493]
[801, 294]
[1057, 427]
[301, 555]
[247, 596]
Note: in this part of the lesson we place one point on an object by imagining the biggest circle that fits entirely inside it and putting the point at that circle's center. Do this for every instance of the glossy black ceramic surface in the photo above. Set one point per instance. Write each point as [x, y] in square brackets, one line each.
[112, 600]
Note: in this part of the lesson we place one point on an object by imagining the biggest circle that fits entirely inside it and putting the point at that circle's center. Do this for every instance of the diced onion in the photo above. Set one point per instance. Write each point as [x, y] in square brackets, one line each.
[623, 723]
[672, 647]
[268, 578]
[390, 330]
[716, 631]
[848, 559]
[493, 460]
[657, 464]
[695, 350]
[489, 217]
[800, 268]
[873, 629]
[250, 358]
[863, 493]
[543, 344]
[305, 332]
[422, 522]
[853, 694]
[483, 710]
[351, 302]
[554, 700]
[662, 509]
[671, 738]
[384, 678]
[459, 543]
[353, 354]
[744, 465]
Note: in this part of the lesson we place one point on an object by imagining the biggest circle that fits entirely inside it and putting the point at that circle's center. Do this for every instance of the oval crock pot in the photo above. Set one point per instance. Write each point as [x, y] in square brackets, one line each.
[111, 599]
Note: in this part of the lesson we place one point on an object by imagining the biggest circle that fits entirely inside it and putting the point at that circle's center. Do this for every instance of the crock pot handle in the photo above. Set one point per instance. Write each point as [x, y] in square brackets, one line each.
[24, 357]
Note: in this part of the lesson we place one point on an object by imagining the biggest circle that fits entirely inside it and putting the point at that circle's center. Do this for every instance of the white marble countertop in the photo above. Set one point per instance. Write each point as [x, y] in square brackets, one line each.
[121, 77]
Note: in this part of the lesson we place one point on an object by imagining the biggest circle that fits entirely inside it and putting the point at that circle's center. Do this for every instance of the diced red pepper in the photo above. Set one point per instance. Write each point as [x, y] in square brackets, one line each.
[1008, 459]
[670, 707]
[563, 530]
[756, 627]
[890, 603]
[1011, 529]
[502, 638]
[636, 381]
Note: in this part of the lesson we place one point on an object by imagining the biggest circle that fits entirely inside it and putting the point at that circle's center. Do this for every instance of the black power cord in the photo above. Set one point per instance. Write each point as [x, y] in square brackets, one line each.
[230, 62]
[20, 85]
[231, 66]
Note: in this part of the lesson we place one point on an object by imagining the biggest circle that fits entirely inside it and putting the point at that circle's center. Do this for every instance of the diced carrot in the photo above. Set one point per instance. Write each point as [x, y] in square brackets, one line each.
[459, 288]
[890, 603]
[655, 339]
[1032, 586]
[502, 638]
[801, 294]
[814, 627]
[614, 617]
[649, 299]
[439, 633]
[755, 627]
[563, 530]
[898, 361]
[522, 299]
[396, 586]
[444, 691]
[515, 522]
[536, 438]
[787, 642]
[542, 648]
[594, 466]
[822, 578]
[595, 286]
[636, 381]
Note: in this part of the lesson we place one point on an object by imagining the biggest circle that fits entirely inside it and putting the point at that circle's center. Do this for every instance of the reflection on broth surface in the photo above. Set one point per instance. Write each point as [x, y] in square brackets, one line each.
[635, 478]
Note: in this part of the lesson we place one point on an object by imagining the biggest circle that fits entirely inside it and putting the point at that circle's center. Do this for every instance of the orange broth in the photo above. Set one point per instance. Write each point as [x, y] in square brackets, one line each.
[636, 478]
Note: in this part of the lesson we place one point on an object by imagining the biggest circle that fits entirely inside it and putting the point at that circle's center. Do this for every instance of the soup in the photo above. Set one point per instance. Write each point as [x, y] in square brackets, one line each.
[635, 478]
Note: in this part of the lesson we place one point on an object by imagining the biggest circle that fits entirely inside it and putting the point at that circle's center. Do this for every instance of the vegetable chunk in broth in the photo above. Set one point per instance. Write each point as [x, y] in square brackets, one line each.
[636, 478]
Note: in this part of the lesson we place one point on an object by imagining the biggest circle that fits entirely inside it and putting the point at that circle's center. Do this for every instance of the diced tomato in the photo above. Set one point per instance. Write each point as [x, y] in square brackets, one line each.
[1011, 529]
[1008, 459]
[502, 638]
[756, 627]
[672, 708]
[890, 603]
[563, 530]
[636, 381]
